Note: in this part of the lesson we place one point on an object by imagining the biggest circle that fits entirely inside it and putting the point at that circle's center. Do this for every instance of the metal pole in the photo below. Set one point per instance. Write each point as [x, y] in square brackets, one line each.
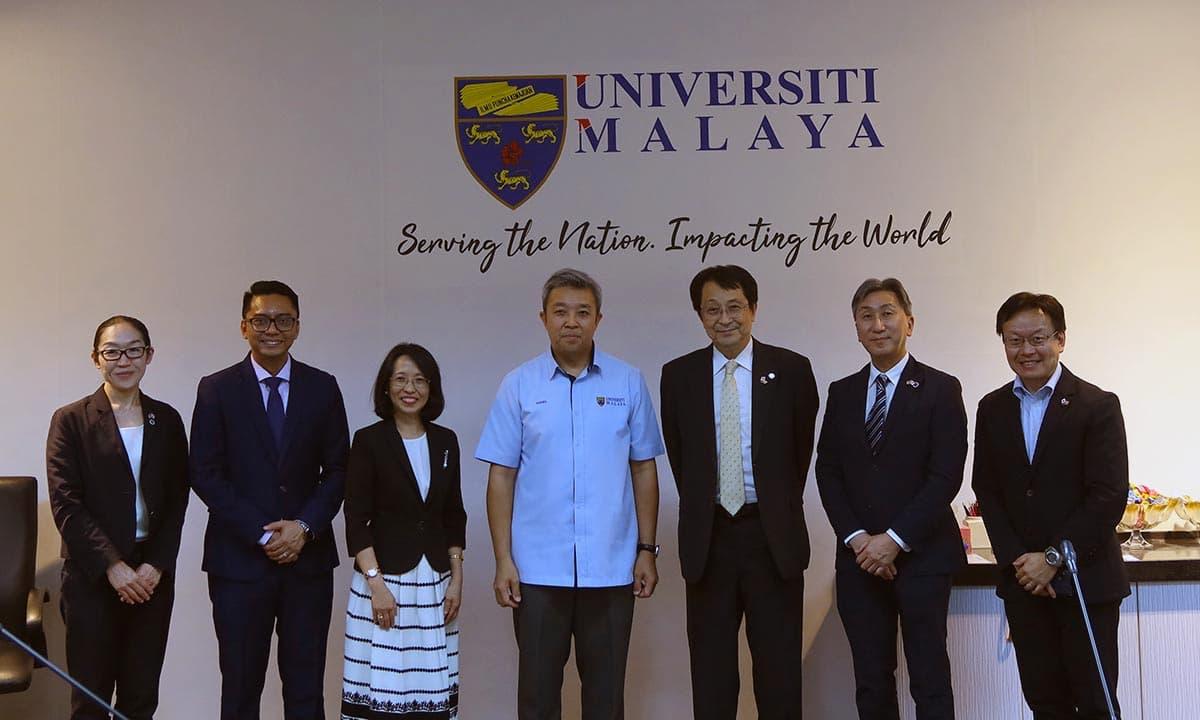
[62, 674]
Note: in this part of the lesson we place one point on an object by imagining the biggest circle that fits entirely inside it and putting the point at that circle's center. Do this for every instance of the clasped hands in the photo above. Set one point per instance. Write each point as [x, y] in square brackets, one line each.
[876, 554]
[287, 540]
[1034, 574]
[133, 587]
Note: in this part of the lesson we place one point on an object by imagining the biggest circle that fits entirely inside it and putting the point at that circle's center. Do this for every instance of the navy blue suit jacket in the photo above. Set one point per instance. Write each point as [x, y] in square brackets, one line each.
[247, 482]
[908, 484]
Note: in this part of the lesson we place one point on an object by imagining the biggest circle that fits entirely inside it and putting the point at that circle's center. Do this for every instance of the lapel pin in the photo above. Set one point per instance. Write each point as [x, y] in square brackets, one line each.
[150, 418]
[1065, 402]
[445, 459]
[763, 379]
[913, 384]
[767, 378]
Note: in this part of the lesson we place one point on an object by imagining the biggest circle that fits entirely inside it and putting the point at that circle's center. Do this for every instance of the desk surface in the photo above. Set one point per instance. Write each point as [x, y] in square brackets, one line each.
[1169, 559]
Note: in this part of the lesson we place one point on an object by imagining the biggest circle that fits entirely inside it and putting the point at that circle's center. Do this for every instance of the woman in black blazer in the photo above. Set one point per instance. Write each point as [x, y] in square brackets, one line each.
[406, 528]
[116, 465]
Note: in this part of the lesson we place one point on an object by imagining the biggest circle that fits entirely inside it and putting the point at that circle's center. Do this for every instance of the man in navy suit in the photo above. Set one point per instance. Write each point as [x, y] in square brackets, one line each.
[889, 461]
[268, 458]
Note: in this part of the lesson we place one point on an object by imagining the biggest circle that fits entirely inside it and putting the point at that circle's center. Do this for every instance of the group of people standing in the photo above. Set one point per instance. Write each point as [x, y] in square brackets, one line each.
[571, 443]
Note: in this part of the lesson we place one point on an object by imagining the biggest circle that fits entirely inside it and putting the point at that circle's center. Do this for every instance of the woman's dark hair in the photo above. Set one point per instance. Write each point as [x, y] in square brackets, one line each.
[428, 367]
[117, 320]
[1023, 301]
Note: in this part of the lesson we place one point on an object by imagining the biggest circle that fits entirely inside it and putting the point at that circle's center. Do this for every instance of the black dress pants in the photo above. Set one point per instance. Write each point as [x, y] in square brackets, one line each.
[870, 609]
[600, 620]
[1054, 656]
[740, 580]
[296, 608]
[112, 646]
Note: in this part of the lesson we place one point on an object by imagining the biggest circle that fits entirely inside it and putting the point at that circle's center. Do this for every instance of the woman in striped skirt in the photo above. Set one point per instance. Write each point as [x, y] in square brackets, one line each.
[406, 528]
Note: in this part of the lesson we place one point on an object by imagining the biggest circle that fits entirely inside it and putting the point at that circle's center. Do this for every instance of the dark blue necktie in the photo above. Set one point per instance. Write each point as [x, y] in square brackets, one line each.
[878, 412]
[275, 409]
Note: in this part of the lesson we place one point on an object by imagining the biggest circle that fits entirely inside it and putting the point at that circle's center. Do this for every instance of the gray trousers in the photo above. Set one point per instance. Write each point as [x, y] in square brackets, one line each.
[600, 620]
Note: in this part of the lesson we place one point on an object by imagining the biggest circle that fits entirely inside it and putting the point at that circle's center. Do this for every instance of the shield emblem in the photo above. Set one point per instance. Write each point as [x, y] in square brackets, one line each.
[600, 400]
[510, 131]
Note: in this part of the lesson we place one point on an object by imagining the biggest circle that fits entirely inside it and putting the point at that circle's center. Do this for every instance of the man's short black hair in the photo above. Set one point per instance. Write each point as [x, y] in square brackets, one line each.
[1022, 301]
[891, 285]
[727, 277]
[269, 287]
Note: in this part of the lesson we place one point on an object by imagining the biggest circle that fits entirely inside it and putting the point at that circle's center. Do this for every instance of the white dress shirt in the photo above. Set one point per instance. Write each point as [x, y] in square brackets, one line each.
[132, 438]
[743, 376]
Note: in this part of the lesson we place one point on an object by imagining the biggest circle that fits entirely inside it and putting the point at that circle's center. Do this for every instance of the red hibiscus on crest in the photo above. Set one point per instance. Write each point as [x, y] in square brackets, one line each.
[511, 153]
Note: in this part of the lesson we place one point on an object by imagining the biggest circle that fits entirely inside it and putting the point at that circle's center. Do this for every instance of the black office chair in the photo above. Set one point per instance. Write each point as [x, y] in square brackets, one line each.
[20, 602]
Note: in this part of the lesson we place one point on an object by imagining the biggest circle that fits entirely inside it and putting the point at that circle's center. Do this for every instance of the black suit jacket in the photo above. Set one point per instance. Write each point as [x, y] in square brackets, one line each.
[247, 482]
[384, 507]
[783, 418]
[92, 488]
[908, 484]
[1075, 488]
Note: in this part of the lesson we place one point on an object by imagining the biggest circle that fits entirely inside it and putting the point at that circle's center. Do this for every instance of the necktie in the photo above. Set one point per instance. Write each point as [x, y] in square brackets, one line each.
[732, 492]
[878, 413]
[275, 409]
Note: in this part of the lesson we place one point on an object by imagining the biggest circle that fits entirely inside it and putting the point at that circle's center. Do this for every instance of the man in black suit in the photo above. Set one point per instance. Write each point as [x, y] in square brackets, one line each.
[738, 419]
[1051, 465]
[269, 446]
[889, 461]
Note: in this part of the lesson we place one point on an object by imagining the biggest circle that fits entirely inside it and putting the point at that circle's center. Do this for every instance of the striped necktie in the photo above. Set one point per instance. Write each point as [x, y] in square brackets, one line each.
[878, 413]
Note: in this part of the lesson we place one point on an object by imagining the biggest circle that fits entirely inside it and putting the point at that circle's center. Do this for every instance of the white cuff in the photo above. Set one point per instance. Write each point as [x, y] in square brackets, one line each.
[903, 545]
[853, 535]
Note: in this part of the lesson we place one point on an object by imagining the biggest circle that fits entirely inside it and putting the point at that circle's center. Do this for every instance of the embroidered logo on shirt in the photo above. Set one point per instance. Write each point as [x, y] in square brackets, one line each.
[601, 400]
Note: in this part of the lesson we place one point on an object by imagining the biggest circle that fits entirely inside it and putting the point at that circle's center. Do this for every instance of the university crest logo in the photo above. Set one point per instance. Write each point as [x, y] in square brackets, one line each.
[510, 131]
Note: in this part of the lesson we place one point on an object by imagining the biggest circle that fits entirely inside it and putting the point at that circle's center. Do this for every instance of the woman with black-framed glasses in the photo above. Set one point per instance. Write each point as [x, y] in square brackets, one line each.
[116, 465]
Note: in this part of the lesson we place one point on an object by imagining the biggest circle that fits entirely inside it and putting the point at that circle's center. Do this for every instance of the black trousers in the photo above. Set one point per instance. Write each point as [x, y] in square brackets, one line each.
[740, 580]
[1054, 656]
[600, 620]
[112, 646]
[870, 609]
[245, 614]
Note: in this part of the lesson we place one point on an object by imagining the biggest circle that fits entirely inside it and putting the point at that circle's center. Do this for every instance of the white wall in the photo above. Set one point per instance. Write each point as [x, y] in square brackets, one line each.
[159, 156]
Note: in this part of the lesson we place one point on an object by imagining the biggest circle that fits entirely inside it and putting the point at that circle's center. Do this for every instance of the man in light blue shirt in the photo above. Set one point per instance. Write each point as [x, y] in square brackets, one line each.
[572, 505]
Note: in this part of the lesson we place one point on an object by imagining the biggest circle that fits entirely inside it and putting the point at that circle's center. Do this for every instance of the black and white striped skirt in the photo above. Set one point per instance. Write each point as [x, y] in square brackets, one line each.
[410, 671]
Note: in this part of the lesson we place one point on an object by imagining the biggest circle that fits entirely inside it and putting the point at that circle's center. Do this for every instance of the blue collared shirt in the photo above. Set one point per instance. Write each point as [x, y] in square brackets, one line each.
[574, 523]
[742, 377]
[1033, 408]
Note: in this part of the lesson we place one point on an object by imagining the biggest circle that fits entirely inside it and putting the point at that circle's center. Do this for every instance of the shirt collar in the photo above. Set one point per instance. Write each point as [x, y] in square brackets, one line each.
[893, 374]
[285, 374]
[550, 365]
[1019, 387]
[744, 359]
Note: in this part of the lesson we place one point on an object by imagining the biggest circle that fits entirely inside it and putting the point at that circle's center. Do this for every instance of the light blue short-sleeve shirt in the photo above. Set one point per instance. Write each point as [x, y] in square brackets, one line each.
[574, 522]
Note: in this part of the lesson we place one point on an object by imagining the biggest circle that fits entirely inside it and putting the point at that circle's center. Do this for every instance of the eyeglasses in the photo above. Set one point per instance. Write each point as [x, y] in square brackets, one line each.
[419, 383]
[114, 354]
[1015, 342]
[261, 323]
[733, 310]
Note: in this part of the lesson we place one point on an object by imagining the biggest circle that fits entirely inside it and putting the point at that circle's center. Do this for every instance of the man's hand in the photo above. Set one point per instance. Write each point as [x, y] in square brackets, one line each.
[877, 555]
[645, 575]
[131, 588]
[150, 576]
[507, 584]
[287, 540]
[1034, 574]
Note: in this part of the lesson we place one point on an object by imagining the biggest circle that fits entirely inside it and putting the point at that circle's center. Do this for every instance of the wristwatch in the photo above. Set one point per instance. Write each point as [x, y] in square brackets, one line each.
[1054, 558]
[646, 547]
[371, 573]
[309, 535]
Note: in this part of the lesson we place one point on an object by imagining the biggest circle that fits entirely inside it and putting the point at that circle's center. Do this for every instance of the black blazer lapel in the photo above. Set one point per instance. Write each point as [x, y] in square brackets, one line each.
[104, 427]
[764, 381]
[297, 406]
[439, 463]
[153, 455]
[1056, 412]
[700, 381]
[904, 398]
[1010, 421]
[251, 398]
